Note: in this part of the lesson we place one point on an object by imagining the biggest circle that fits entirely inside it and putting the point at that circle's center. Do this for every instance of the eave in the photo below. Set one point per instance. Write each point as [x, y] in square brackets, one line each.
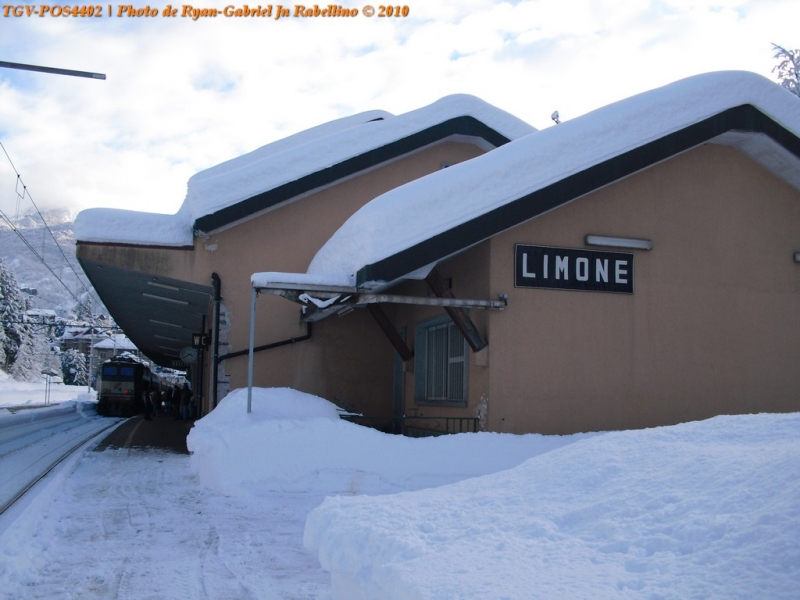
[459, 126]
[158, 314]
[744, 119]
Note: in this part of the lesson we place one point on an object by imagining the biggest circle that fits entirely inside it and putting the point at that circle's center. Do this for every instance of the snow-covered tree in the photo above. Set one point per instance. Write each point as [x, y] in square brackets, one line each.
[13, 304]
[788, 68]
[73, 367]
[83, 308]
[25, 343]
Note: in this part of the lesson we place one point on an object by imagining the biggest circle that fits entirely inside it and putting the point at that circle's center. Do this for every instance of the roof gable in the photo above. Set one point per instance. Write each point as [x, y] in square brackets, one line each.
[290, 168]
[463, 126]
[466, 204]
[741, 119]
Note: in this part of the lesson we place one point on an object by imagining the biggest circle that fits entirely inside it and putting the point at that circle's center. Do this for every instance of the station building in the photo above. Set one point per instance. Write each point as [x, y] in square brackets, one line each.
[454, 269]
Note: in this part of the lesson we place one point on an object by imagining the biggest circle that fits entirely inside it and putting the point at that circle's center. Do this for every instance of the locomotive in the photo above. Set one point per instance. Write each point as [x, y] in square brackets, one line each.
[122, 382]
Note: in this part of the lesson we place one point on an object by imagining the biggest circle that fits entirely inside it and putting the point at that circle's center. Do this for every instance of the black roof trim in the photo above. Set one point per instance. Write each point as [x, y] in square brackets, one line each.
[465, 125]
[745, 118]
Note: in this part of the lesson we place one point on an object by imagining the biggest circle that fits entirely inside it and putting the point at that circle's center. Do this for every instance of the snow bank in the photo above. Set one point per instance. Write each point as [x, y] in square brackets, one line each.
[701, 510]
[296, 442]
[25, 393]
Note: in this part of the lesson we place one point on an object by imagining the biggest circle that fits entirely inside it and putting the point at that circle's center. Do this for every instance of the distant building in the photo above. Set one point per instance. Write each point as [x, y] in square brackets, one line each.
[634, 267]
[112, 346]
[41, 315]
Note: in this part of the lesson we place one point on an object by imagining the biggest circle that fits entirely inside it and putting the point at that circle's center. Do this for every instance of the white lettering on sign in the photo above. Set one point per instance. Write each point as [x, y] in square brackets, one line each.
[582, 269]
[525, 272]
[601, 268]
[572, 269]
[562, 267]
[619, 271]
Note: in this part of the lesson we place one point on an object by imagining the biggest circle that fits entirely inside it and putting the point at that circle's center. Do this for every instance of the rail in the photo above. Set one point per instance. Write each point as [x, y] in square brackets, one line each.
[27, 458]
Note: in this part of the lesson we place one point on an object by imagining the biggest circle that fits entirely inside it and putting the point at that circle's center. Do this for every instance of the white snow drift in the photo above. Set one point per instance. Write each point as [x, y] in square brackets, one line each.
[700, 510]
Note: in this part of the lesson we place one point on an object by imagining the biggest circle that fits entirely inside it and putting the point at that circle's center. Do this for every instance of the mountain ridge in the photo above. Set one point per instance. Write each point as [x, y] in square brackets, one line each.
[35, 241]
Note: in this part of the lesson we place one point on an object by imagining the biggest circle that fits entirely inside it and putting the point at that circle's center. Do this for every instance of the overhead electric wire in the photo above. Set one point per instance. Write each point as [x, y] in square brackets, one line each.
[39, 256]
[50, 231]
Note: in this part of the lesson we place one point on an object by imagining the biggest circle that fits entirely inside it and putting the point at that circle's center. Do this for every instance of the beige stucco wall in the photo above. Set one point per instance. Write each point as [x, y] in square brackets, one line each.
[347, 359]
[713, 326]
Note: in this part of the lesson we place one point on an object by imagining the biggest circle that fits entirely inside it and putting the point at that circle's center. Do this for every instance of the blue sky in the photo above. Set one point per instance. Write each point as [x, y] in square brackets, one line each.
[183, 95]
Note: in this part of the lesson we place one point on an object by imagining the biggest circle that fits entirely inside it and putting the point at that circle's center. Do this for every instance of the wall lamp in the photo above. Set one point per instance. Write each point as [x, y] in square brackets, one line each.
[797, 257]
[618, 242]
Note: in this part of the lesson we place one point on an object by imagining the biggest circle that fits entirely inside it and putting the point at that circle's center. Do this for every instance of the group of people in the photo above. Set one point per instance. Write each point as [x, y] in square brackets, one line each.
[172, 401]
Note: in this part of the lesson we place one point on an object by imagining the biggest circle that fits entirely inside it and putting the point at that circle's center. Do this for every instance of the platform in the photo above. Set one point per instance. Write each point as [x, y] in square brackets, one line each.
[159, 433]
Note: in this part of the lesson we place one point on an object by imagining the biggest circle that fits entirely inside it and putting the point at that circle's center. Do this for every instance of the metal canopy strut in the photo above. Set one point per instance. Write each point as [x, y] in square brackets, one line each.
[320, 301]
[461, 319]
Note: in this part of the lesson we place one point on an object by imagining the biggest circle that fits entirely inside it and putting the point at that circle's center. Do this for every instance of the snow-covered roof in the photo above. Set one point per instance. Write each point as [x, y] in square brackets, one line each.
[446, 200]
[83, 332]
[118, 342]
[126, 357]
[216, 191]
[41, 312]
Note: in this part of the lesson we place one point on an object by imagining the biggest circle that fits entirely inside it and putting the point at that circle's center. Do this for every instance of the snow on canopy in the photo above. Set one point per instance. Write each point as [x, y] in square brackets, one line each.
[282, 162]
[447, 198]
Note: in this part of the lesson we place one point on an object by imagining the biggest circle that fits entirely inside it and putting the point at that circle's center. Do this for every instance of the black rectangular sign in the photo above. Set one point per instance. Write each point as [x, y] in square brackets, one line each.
[573, 269]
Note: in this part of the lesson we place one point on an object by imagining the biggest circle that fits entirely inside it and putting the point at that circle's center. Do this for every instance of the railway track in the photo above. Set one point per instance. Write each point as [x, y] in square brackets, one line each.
[32, 446]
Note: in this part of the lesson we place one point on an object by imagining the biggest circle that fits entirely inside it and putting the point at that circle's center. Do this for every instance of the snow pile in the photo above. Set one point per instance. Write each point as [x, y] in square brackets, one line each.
[295, 442]
[468, 190]
[701, 510]
[283, 162]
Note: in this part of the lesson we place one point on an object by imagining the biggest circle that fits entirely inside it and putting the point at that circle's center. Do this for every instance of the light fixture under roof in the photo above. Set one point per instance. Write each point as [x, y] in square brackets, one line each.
[165, 299]
[165, 323]
[164, 337]
[618, 242]
[164, 286]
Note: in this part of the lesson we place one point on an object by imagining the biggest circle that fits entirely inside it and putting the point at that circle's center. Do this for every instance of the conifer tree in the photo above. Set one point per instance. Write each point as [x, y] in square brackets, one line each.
[788, 68]
[25, 344]
[73, 367]
[12, 310]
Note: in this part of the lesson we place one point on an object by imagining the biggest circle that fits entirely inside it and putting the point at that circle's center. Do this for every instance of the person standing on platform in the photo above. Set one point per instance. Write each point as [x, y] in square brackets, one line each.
[147, 405]
[186, 395]
[154, 401]
[169, 396]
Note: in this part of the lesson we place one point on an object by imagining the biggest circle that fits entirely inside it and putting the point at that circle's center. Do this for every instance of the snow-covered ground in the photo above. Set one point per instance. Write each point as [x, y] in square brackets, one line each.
[22, 393]
[291, 502]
